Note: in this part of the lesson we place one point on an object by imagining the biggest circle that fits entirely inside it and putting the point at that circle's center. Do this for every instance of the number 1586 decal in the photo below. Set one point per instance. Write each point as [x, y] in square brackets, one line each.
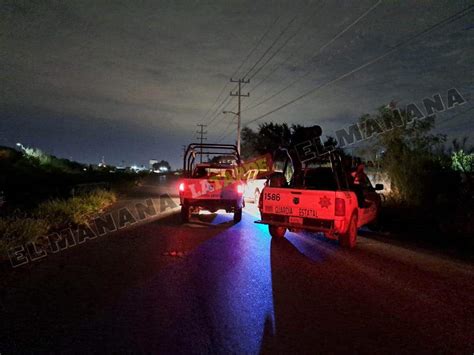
[272, 197]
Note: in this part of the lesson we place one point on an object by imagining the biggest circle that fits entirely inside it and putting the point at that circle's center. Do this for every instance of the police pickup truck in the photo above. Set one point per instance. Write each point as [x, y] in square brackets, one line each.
[212, 185]
[318, 197]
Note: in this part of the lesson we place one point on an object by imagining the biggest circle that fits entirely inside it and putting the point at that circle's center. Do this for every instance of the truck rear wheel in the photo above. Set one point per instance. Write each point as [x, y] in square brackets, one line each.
[349, 238]
[238, 215]
[277, 231]
[185, 213]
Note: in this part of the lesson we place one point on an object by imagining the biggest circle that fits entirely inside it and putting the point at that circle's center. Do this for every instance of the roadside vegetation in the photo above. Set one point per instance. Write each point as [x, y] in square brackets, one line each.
[44, 193]
[29, 177]
[60, 213]
[17, 230]
[52, 215]
[431, 179]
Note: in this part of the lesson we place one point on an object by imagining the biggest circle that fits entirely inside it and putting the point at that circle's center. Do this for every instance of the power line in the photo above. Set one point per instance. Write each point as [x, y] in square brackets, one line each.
[271, 46]
[275, 67]
[442, 122]
[225, 131]
[256, 46]
[242, 63]
[463, 126]
[217, 99]
[216, 112]
[446, 21]
[225, 103]
[332, 40]
[303, 24]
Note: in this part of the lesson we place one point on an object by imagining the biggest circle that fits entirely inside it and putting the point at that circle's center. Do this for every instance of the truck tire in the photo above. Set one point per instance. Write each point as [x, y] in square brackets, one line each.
[185, 213]
[349, 238]
[277, 231]
[238, 215]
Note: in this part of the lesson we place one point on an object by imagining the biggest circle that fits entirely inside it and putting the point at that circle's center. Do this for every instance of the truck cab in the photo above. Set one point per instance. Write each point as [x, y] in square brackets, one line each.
[318, 197]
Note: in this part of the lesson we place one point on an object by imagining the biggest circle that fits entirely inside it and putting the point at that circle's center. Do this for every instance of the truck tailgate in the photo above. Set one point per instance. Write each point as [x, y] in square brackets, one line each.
[210, 189]
[298, 204]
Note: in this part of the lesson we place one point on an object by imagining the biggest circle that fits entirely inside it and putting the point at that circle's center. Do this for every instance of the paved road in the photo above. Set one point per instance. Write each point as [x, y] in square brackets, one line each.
[214, 287]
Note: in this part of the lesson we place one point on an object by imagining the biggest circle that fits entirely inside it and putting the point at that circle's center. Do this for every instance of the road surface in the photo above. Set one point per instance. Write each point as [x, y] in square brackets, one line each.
[210, 286]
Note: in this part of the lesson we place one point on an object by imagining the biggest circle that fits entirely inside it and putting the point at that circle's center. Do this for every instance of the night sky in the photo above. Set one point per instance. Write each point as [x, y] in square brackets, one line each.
[129, 80]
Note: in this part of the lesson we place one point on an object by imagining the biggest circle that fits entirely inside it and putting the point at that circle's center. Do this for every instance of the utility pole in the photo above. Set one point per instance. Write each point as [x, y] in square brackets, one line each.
[239, 95]
[201, 135]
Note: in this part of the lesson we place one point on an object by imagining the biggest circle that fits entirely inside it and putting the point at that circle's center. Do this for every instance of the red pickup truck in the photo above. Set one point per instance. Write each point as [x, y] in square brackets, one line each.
[212, 185]
[319, 198]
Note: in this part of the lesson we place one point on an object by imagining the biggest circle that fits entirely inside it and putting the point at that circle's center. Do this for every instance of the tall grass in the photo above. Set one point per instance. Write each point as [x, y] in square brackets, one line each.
[17, 230]
[75, 210]
[50, 215]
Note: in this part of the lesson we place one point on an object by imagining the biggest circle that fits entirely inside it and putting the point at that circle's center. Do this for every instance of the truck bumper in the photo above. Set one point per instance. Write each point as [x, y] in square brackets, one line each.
[310, 224]
[214, 204]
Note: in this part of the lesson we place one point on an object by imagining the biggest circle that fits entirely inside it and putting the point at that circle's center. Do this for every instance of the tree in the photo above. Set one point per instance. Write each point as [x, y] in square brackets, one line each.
[249, 143]
[271, 136]
[462, 156]
[413, 157]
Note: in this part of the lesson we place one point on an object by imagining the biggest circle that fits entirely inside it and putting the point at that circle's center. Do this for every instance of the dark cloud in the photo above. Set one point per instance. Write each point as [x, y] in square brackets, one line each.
[131, 79]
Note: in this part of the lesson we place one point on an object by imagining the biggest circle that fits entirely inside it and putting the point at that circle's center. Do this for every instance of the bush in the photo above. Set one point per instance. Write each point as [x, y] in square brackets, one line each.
[76, 210]
[53, 214]
[16, 230]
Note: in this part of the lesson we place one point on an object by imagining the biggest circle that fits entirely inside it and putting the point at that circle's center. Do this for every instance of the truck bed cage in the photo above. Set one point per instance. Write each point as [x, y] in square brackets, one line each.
[197, 149]
[299, 169]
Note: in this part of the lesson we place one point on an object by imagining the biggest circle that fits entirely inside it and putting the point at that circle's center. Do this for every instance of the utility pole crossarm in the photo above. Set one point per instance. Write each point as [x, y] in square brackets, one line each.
[239, 95]
[201, 137]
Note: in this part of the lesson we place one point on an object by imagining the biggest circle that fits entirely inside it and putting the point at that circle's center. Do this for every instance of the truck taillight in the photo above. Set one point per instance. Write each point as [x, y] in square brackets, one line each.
[240, 189]
[340, 207]
[181, 187]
